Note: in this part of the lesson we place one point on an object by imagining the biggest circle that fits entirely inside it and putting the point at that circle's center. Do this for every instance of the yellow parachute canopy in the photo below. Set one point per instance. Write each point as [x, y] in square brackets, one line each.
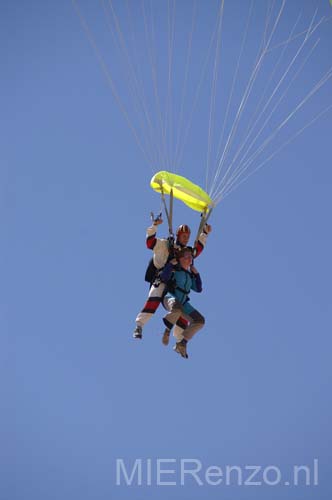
[183, 189]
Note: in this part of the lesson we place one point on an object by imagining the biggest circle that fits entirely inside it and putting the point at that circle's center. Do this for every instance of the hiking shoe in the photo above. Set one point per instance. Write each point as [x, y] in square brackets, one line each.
[138, 332]
[181, 348]
[165, 337]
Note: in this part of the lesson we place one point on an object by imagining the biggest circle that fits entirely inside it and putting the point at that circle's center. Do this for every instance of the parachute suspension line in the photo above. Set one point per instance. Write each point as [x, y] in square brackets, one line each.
[232, 185]
[140, 86]
[237, 119]
[247, 92]
[270, 9]
[249, 132]
[258, 109]
[214, 92]
[244, 39]
[308, 35]
[134, 81]
[276, 66]
[324, 19]
[259, 150]
[152, 126]
[169, 109]
[185, 83]
[268, 21]
[197, 94]
[110, 81]
[230, 189]
[150, 40]
[239, 170]
[322, 82]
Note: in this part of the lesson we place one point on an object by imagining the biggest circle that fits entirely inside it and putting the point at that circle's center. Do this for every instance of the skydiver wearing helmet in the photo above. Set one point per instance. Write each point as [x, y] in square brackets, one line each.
[163, 251]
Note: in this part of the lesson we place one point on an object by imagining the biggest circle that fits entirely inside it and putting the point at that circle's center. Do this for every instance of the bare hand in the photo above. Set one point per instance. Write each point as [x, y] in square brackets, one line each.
[193, 269]
[207, 228]
[157, 222]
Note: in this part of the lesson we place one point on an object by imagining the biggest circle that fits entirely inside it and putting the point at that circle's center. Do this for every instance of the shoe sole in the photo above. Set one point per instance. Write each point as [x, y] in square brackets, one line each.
[183, 355]
[165, 339]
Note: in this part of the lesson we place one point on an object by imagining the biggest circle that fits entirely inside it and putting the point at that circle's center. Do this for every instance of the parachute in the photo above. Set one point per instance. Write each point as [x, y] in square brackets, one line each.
[218, 91]
[183, 189]
[192, 195]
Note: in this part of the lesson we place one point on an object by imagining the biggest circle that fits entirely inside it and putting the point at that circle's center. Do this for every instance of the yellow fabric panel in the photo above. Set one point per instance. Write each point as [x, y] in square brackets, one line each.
[183, 189]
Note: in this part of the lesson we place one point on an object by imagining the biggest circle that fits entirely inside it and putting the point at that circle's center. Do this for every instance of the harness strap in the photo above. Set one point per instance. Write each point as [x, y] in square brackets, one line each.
[169, 214]
[170, 222]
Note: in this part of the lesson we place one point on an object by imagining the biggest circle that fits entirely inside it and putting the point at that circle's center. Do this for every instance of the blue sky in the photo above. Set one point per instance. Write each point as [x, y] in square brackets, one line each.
[78, 391]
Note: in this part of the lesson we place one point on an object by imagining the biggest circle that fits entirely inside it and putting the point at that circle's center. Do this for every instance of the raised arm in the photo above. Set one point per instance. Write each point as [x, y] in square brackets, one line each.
[200, 244]
[151, 232]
